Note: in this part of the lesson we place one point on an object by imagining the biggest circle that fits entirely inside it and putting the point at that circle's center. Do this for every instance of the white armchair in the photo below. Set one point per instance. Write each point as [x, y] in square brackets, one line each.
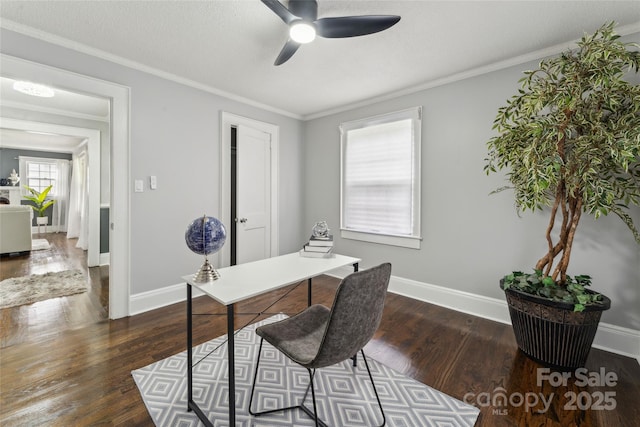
[15, 229]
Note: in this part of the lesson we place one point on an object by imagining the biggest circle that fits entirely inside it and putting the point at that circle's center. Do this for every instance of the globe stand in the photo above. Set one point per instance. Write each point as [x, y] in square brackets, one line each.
[206, 273]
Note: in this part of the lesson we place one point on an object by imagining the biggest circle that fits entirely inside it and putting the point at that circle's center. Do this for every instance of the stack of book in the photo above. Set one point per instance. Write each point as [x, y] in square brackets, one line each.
[318, 247]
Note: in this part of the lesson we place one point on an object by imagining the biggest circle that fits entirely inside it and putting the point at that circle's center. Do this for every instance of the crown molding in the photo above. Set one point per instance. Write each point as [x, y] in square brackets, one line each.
[473, 72]
[98, 53]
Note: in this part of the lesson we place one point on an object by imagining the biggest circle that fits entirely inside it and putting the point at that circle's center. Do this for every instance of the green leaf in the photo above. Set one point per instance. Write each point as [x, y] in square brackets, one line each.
[47, 204]
[583, 299]
[572, 130]
[44, 193]
[31, 198]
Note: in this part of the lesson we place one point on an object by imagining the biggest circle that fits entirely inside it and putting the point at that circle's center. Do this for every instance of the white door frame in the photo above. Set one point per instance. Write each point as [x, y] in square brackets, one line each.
[228, 120]
[119, 213]
[93, 146]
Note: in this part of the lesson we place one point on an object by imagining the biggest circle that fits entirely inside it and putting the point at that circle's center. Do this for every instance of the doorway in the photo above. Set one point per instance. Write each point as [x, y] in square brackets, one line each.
[119, 232]
[249, 189]
[92, 136]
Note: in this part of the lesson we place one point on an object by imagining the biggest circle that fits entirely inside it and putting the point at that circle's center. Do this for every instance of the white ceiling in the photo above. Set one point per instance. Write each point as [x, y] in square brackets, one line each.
[27, 140]
[62, 103]
[228, 46]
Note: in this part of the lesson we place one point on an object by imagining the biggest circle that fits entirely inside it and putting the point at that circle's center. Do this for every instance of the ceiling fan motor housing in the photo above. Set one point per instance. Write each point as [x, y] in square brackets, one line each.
[302, 18]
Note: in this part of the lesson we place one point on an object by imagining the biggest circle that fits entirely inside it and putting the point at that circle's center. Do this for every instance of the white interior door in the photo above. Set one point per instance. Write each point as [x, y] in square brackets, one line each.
[253, 196]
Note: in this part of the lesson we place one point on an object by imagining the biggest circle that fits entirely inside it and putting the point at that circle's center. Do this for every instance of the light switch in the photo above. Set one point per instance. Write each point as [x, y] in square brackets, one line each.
[153, 182]
[139, 186]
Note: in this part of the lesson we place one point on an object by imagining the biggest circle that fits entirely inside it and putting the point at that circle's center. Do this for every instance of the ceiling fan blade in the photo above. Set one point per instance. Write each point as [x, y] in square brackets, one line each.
[280, 10]
[287, 52]
[352, 26]
[304, 9]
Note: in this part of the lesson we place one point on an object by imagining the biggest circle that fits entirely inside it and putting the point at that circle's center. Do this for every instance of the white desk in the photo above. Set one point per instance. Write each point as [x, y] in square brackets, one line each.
[241, 282]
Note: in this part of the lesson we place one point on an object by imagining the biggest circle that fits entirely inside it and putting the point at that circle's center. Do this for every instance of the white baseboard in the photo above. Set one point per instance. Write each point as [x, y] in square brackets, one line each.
[150, 300]
[616, 339]
[49, 229]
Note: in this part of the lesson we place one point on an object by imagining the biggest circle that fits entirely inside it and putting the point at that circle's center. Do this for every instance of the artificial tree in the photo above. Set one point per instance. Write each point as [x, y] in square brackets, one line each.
[570, 140]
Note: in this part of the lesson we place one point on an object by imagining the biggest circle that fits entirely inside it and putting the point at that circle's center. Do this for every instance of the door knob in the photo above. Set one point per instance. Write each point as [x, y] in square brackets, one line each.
[243, 220]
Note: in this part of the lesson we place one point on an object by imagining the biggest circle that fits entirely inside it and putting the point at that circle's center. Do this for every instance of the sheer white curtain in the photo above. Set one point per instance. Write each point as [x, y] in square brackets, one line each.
[59, 212]
[78, 206]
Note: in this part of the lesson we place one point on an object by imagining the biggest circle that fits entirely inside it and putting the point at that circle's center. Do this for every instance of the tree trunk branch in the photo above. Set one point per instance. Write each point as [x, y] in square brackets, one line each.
[575, 207]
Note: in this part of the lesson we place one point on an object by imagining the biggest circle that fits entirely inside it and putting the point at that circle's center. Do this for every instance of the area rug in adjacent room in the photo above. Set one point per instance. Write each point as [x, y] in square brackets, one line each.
[343, 399]
[40, 245]
[39, 287]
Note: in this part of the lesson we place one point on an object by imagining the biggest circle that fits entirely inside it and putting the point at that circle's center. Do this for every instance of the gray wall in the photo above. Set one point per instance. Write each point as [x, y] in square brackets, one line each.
[9, 159]
[104, 230]
[175, 136]
[470, 238]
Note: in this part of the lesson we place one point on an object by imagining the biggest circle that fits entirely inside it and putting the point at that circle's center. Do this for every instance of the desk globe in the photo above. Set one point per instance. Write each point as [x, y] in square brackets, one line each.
[204, 236]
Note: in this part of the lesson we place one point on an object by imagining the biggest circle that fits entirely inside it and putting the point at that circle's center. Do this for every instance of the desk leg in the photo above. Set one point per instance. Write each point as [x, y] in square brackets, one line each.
[189, 348]
[232, 368]
[309, 292]
[191, 405]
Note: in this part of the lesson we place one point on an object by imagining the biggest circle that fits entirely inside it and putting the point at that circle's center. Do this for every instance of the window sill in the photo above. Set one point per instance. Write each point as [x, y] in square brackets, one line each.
[383, 239]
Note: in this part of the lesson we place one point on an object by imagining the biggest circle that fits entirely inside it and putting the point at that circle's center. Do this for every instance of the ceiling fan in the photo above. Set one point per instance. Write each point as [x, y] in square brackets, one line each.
[302, 18]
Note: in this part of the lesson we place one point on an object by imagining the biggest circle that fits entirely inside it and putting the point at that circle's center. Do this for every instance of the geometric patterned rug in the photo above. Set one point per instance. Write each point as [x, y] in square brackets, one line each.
[343, 393]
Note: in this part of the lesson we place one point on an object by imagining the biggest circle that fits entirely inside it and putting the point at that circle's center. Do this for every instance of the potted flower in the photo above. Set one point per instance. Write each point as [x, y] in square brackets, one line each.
[570, 141]
[40, 203]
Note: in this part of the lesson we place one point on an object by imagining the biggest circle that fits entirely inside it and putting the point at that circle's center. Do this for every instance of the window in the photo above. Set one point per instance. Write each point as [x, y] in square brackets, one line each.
[380, 182]
[39, 173]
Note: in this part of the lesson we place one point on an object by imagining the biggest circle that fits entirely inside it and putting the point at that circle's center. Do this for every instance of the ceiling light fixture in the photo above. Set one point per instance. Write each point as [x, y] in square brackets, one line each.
[302, 32]
[33, 89]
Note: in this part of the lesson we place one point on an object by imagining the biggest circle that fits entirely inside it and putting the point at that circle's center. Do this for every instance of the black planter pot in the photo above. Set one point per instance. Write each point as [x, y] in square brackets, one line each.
[550, 332]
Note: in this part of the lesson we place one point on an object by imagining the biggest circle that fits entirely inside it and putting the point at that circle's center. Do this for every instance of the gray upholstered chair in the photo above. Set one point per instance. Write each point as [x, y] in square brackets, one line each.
[319, 337]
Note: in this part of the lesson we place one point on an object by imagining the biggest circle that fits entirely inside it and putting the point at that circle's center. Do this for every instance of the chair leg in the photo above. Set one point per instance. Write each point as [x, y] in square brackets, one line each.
[255, 376]
[313, 415]
[313, 395]
[301, 406]
[384, 419]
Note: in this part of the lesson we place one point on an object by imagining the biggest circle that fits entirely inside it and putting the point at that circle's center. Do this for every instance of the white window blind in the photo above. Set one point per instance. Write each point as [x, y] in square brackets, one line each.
[381, 178]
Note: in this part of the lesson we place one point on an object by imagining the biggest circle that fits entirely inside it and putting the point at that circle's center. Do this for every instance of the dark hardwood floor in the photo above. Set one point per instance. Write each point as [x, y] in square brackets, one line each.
[79, 374]
[51, 317]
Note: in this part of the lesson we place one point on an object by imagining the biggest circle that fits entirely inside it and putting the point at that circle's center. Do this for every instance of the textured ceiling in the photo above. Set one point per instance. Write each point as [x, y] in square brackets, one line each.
[228, 46]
